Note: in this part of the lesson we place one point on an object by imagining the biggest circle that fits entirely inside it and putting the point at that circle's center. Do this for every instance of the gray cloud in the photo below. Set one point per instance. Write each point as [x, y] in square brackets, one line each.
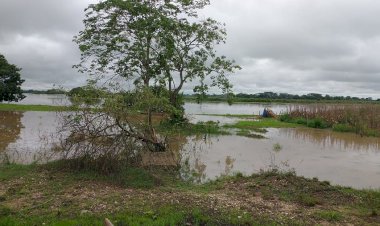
[295, 46]
[37, 36]
[303, 46]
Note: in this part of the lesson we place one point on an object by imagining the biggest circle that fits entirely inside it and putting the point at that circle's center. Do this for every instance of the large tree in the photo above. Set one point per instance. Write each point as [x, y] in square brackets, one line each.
[10, 81]
[154, 43]
[157, 46]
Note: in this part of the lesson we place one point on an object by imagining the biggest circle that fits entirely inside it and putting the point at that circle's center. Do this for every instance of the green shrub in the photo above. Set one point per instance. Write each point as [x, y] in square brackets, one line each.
[301, 121]
[343, 128]
[317, 123]
[285, 118]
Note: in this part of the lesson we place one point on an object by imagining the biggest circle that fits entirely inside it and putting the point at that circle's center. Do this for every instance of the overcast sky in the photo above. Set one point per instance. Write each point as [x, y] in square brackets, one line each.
[295, 46]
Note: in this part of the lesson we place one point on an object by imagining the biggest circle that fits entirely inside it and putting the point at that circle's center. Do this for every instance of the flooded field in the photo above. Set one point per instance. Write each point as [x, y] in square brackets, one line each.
[191, 108]
[45, 99]
[236, 108]
[28, 136]
[341, 158]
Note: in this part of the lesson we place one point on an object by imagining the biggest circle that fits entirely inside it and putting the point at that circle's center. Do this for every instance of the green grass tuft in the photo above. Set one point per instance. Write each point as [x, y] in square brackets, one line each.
[10, 171]
[329, 215]
[262, 123]
[19, 107]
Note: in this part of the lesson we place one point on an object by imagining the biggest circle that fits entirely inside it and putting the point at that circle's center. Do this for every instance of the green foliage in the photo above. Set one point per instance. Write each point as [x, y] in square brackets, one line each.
[209, 127]
[5, 211]
[247, 133]
[126, 176]
[10, 81]
[343, 127]
[262, 123]
[49, 91]
[160, 216]
[313, 123]
[19, 107]
[87, 95]
[308, 200]
[156, 47]
[9, 171]
[320, 201]
[329, 215]
[277, 147]
[154, 43]
[362, 119]
[271, 97]
[317, 123]
[111, 135]
[135, 177]
[186, 128]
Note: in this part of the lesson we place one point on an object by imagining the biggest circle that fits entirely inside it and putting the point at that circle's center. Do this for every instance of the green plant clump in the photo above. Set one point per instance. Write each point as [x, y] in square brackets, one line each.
[313, 123]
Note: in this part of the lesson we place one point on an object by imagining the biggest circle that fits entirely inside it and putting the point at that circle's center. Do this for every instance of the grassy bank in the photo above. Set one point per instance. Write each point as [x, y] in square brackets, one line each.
[256, 128]
[262, 123]
[44, 195]
[19, 107]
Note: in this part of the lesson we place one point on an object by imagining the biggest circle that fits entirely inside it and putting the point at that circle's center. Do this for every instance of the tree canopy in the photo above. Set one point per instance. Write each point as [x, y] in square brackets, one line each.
[10, 81]
[144, 51]
[154, 43]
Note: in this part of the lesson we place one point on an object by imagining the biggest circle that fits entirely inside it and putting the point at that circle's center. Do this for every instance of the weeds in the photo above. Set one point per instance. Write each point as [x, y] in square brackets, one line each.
[277, 147]
[329, 215]
[261, 124]
[308, 200]
[363, 119]
[176, 202]
[209, 127]
[247, 133]
[5, 211]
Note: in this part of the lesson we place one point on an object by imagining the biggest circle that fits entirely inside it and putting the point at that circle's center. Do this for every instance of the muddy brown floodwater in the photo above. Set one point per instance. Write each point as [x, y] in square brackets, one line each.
[341, 158]
[27, 137]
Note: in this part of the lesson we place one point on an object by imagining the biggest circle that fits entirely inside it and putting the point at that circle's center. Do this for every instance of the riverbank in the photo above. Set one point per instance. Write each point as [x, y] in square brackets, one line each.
[246, 122]
[46, 195]
[20, 107]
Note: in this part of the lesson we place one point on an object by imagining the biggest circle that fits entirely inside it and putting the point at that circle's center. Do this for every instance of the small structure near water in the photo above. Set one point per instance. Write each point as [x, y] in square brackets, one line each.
[268, 113]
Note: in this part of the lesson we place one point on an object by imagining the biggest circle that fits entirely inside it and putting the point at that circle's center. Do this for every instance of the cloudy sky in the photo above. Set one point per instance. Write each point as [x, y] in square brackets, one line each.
[295, 46]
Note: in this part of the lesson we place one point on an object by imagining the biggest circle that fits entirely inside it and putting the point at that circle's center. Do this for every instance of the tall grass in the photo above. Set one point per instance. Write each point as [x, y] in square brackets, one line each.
[363, 119]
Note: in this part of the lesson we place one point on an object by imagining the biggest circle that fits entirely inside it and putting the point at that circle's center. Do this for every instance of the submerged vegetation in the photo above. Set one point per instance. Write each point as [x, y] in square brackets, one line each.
[362, 119]
[261, 123]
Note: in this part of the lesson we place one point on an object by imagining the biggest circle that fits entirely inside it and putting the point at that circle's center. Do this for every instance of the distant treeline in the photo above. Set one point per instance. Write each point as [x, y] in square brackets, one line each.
[241, 97]
[49, 91]
[280, 97]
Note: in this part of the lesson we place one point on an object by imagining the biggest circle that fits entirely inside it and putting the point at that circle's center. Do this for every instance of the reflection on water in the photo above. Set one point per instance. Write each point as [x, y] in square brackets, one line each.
[10, 127]
[342, 158]
[312, 153]
[34, 135]
[229, 165]
[45, 99]
[190, 108]
[236, 108]
[326, 138]
[220, 119]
